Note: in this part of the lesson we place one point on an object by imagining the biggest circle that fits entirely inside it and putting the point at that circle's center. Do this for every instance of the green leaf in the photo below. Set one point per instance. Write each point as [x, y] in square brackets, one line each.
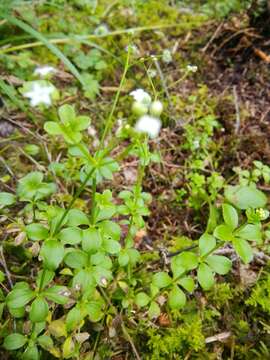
[220, 264]
[212, 218]
[68, 348]
[187, 283]
[52, 253]
[58, 328]
[250, 232]
[7, 199]
[207, 243]
[223, 232]
[123, 258]
[186, 260]
[74, 318]
[230, 215]
[154, 310]
[45, 342]
[161, 280]
[91, 240]
[36, 231]
[31, 353]
[76, 217]
[52, 128]
[111, 246]
[243, 249]
[177, 298]
[56, 294]
[39, 310]
[142, 299]
[14, 341]
[67, 113]
[245, 197]
[18, 298]
[18, 312]
[76, 259]
[205, 276]
[110, 229]
[46, 276]
[71, 236]
[94, 310]
[83, 122]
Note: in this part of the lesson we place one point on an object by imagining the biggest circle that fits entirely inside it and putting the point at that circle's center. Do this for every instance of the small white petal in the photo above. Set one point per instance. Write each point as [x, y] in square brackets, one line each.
[141, 96]
[149, 125]
[44, 70]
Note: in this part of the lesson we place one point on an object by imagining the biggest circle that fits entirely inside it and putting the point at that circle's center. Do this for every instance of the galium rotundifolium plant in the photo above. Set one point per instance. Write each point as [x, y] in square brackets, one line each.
[87, 253]
[87, 250]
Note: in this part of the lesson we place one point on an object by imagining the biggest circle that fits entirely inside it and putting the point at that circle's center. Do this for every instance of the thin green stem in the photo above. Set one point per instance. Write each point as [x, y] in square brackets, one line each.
[109, 122]
[93, 207]
[75, 197]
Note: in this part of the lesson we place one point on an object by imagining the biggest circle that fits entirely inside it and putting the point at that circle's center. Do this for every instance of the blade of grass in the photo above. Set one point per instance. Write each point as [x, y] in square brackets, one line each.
[11, 92]
[66, 40]
[27, 28]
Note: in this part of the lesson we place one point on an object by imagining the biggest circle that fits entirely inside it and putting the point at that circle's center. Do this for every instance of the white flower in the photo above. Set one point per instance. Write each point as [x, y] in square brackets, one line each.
[40, 94]
[92, 131]
[148, 124]
[141, 96]
[192, 68]
[167, 56]
[133, 49]
[152, 73]
[102, 30]
[44, 70]
[196, 144]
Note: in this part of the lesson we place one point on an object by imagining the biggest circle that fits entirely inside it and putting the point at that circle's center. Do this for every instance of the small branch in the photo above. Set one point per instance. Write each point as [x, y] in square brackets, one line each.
[237, 111]
[163, 81]
[125, 332]
[182, 250]
[219, 337]
[4, 265]
[212, 37]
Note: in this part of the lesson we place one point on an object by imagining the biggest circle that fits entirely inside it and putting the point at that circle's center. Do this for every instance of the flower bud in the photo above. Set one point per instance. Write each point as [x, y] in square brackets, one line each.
[139, 109]
[156, 108]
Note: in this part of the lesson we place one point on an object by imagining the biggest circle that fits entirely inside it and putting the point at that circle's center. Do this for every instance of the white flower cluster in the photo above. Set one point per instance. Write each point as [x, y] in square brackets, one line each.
[192, 68]
[148, 111]
[40, 94]
[45, 70]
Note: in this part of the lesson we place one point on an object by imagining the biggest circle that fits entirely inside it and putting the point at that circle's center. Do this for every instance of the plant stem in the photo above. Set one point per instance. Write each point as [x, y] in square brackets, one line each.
[77, 38]
[93, 207]
[109, 122]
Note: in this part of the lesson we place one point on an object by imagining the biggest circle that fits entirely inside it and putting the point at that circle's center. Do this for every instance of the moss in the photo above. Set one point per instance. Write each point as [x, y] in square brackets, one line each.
[175, 343]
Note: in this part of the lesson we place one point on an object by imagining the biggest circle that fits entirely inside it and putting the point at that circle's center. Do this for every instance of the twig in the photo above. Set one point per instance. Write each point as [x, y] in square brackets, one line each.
[4, 265]
[219, 337]
[212, 37]
[182, 250]
[237, 112]
[125, 332]
[162, 79]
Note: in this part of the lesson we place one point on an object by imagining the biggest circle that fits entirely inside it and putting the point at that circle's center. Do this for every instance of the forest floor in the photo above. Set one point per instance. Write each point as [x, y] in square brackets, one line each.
[216, 123]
